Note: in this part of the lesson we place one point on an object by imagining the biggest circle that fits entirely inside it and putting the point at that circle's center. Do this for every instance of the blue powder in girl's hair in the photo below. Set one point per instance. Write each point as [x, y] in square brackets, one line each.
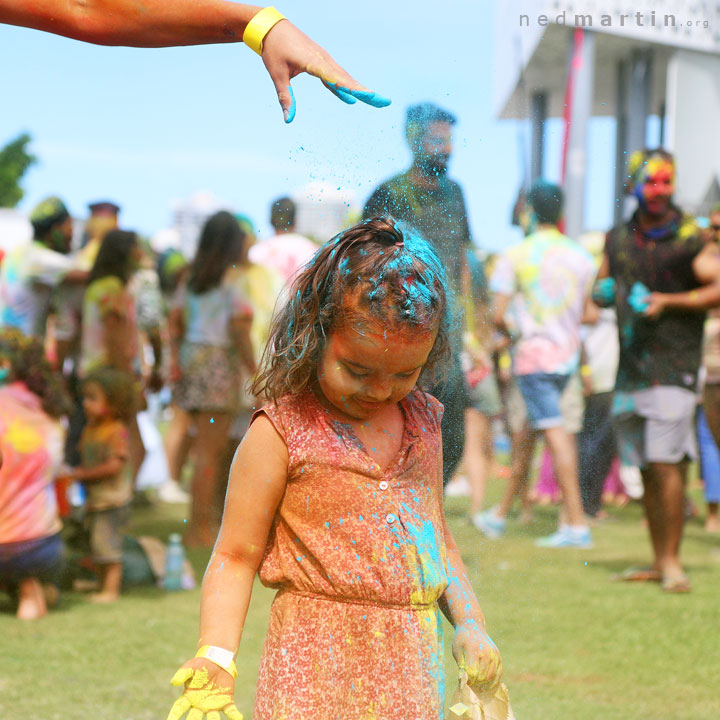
[377, 271]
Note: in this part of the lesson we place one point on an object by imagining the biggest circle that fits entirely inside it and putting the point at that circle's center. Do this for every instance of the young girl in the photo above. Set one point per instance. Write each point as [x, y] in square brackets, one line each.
[210, 323]
[108, 403]
[32, 401]
[335, 495]
[110, 336]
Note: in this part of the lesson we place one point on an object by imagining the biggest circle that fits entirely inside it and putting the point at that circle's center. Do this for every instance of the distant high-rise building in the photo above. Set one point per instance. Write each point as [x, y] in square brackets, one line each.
[322, 210]
[190, 215]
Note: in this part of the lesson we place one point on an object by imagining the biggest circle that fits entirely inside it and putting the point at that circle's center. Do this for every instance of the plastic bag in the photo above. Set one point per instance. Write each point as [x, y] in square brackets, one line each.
[468, 705]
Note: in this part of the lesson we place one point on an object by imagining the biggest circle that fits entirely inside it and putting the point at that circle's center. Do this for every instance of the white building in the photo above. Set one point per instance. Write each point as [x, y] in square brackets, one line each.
[632, 59]
[322, 210]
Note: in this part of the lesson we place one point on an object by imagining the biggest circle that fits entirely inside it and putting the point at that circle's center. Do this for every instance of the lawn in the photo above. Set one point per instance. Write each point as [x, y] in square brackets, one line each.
[574, 644]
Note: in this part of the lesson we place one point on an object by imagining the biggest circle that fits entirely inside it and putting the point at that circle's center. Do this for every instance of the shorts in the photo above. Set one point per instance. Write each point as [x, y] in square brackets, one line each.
[572, 407]
[485, 397]
[655, 425]
[106, 533]
[541, 393]
[40, 558]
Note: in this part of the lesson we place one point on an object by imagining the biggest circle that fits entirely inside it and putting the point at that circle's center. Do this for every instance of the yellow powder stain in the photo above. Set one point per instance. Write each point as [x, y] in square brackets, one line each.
[23, 438]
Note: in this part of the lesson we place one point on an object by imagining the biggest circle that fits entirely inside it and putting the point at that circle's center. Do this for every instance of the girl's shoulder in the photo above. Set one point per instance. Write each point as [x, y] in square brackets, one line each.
[425, 409]
[291, 412]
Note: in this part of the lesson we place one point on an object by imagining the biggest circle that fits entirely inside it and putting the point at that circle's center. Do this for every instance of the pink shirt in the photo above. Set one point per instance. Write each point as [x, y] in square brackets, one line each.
[31, 445]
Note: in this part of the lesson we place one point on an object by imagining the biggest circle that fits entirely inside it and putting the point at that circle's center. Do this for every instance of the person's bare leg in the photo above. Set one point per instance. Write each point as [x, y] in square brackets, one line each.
[712, 521]
[672, 499]
[136, 448]
[711, 405]
[177, 442]
[212, 434]
[110, 575]
[475, 460]
[522, 446]
[32, 600]
[563, 449]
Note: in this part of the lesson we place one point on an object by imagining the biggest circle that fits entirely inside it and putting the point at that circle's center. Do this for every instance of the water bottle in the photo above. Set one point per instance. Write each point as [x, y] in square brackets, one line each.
[174, 561]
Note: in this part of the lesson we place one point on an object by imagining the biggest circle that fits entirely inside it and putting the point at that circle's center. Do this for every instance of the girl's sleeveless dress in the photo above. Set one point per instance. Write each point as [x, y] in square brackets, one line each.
[358, 556]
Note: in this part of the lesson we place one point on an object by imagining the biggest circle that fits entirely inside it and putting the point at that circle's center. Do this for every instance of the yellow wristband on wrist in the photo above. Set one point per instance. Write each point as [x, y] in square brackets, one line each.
[220, 656]
[585, 371]
[260, 25]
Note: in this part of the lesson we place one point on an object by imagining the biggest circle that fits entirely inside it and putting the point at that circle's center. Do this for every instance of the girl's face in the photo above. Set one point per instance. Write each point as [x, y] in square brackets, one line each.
[367, 367]
[95, 402]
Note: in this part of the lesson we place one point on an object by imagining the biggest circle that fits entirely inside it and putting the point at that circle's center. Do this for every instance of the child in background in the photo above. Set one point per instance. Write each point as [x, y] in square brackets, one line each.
[108, 403]
[32, 401]
[335, 496]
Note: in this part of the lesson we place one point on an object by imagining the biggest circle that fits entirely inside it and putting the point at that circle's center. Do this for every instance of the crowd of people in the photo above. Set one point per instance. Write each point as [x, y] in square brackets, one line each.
[599, 347]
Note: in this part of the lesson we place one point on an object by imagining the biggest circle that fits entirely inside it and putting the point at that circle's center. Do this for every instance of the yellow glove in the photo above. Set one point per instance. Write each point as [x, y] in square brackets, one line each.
[203, 695]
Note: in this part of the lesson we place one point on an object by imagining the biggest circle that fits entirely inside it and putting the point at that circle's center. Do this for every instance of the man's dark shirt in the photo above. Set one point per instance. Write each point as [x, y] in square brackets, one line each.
[439, 215]
[665, 350]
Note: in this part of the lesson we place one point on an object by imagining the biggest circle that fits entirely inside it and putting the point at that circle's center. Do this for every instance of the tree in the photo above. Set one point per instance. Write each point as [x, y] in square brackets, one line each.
[14, 162]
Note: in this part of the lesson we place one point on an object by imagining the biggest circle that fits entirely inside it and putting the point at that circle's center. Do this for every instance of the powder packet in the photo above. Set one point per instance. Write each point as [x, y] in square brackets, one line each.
[492, 704]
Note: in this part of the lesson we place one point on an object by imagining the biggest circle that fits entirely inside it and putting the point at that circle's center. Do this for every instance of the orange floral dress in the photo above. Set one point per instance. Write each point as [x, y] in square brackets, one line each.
[359, 560]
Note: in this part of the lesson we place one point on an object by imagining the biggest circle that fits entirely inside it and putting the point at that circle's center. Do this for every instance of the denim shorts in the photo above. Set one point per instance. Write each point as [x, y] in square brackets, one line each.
[542, 393]
[40, 558]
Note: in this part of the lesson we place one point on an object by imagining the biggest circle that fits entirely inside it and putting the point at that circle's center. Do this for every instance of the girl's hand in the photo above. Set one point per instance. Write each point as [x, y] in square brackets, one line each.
[287, 52]
[477, 655]
[208, 691]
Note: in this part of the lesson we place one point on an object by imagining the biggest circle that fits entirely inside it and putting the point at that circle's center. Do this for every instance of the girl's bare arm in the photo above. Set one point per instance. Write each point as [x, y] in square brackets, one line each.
[257, 483]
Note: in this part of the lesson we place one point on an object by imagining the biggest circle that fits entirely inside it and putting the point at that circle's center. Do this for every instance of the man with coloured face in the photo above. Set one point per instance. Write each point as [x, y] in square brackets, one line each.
[662, 276]
[429, 201]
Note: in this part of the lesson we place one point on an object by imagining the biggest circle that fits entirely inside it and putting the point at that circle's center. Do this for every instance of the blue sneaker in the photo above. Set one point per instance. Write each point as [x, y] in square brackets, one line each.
[489, 524]
[567, 537]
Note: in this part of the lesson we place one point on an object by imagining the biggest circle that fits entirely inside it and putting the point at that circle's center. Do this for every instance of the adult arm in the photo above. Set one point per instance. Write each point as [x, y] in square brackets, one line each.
[472, 648]
[256, 486]
[240, 332]
[501, 302]
[603, 291]
[287, 51]
[706, 267]
[176, 330]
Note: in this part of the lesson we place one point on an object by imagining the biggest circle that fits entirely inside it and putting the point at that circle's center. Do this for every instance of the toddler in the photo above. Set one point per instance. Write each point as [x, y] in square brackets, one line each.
[108, 403]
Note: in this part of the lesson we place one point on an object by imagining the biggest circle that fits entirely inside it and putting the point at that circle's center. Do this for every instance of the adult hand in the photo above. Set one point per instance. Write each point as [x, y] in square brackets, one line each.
[287, 52]
[477, 655]
[208, 691]
[656, 303]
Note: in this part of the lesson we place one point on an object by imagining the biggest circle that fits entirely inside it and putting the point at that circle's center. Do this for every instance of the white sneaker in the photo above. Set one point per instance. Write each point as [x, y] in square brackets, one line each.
[567, 537]
[170, 492]
[489, 524]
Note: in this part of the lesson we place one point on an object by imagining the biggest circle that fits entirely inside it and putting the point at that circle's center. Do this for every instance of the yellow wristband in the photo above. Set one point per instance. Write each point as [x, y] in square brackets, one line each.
[260, 25]
[220, 656]
[585, 371]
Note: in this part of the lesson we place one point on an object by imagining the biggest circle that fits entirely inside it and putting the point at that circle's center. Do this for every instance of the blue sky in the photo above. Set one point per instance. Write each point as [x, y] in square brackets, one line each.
[149, 127]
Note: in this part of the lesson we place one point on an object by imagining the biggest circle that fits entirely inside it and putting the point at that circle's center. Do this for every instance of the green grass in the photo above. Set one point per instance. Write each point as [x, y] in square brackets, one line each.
[574, 644]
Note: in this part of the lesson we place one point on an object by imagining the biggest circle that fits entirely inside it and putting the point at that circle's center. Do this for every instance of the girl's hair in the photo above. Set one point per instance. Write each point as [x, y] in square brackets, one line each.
[222, 244]
[378, 269]
[28, 365]
[118, 388]
[115, 256]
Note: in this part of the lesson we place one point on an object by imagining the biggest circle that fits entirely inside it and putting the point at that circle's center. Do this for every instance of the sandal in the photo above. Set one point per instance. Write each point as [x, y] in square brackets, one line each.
[639, 574]
[676, 584]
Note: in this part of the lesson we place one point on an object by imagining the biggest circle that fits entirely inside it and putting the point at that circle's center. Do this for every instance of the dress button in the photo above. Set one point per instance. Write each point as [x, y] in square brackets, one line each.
[390, 518]
[384, 485]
